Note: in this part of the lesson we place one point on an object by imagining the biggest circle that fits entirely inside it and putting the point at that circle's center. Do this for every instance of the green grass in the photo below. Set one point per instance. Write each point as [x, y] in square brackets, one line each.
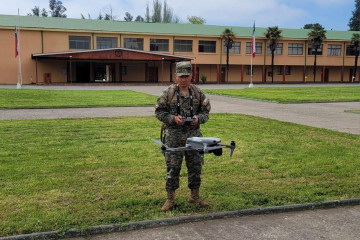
[75, 173]
[35, 98]
[294, 94]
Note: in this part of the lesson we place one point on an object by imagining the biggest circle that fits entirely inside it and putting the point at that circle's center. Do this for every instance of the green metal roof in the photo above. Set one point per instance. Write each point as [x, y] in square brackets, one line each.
[64, 24]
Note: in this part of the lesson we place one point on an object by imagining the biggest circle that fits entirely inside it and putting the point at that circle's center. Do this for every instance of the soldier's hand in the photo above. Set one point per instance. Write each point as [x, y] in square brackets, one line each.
[178, 121]
[196, 121]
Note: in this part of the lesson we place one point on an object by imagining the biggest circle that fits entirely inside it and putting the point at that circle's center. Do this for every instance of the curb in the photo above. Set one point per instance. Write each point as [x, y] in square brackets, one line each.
[103, 229]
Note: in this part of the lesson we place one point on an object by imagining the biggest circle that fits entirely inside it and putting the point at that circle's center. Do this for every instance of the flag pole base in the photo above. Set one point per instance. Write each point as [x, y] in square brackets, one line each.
[251, 85]
[18, 86]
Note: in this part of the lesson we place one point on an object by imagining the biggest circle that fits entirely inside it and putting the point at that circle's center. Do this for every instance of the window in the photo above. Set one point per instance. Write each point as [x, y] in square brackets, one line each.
[159, 45]
[106, 42]
[258, 48]
[183, 45]
[207, 46]
[278, 50]
[79, 42]
[295, 49]
[311, 50]
[235, 49]
[134, 43]
[248, 70]
[350, 50]
[334, 50]
[280, 70]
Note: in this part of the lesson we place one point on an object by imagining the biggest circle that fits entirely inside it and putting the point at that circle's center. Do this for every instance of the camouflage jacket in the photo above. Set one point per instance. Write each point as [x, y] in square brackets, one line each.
[165, 109]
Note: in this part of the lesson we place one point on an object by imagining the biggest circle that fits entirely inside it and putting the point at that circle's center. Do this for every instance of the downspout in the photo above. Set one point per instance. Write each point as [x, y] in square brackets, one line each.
[42, 41]
[120, 40]
[92, 38]
[343, 65]
[265, 61]
[173, 45]
[221, 44]
[305, 73]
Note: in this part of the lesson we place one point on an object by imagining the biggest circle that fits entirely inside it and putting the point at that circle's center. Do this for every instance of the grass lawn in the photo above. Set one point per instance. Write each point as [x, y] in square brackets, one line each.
[294, 94]
[35, 98]
[75, 173]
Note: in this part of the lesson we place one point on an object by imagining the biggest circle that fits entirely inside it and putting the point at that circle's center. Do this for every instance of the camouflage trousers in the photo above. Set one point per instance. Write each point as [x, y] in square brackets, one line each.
[174, 161]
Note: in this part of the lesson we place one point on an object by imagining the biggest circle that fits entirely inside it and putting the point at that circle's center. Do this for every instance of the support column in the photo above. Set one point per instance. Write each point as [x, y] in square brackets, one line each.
[342, 74]
[284, 68]
[194, 74]
[263, 74]
[323, 75]
[242, 73]
[218, 73]
[304, 70]
[146, 72]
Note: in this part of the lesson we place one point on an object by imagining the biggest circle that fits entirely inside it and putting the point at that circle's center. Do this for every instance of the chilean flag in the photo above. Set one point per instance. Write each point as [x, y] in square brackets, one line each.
[253, 47]
[16, 43]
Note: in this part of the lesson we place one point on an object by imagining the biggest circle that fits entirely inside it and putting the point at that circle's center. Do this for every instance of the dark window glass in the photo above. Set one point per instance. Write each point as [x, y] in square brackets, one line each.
[159, 45]
[207, 46]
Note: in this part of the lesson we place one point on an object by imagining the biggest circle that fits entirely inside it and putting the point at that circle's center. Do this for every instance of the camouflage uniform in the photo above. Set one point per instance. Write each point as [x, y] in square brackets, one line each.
[176, 135]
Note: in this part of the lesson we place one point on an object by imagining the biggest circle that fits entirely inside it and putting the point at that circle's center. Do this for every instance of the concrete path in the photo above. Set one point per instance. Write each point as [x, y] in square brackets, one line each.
[331, 116]
[336, 223]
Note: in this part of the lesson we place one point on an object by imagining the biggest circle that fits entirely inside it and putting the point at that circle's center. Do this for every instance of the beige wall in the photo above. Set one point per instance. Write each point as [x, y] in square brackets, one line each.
[36, 41]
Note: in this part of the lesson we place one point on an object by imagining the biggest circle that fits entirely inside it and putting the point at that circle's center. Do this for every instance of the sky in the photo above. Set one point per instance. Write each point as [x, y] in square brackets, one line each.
[331, 14]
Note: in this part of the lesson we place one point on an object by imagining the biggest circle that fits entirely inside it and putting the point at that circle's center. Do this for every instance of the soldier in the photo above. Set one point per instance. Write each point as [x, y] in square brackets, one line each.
[182, 100]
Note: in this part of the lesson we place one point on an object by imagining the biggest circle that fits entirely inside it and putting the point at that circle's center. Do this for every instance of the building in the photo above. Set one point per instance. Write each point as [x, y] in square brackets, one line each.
[62, 50]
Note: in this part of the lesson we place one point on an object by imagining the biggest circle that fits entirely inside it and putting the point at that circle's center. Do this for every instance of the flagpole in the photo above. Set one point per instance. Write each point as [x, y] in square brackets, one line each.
[19, 83]
[253, 50]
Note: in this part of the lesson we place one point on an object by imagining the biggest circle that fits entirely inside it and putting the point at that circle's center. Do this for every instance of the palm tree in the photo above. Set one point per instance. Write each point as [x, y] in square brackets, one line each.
[355, 42]
[316, 37]
[228, 35]
[273, 34]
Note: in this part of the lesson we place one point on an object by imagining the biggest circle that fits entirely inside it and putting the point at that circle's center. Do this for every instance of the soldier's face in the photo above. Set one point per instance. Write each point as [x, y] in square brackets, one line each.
[184, 81]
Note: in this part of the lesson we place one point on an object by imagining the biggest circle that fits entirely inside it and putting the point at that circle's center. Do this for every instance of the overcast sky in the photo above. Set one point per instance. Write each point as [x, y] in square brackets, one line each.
[332, 14]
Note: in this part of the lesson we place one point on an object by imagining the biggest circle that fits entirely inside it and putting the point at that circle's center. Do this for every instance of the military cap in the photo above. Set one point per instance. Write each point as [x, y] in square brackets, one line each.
[183, 69]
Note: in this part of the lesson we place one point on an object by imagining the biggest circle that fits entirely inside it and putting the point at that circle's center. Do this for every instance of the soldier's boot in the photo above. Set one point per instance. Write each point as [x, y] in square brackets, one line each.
[170, 201]
[195, 198]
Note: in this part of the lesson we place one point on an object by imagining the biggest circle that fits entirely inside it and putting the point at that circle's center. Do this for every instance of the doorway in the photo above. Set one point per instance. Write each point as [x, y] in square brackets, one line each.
[82, 72]
[104, 72]
[153, 74]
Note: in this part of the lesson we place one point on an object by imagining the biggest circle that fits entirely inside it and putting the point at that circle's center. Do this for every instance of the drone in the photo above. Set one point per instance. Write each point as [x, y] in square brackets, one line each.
[201, 144]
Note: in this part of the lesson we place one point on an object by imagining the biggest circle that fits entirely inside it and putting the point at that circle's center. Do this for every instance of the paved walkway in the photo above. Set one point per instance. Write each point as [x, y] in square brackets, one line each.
[338, 223]
[322, 115]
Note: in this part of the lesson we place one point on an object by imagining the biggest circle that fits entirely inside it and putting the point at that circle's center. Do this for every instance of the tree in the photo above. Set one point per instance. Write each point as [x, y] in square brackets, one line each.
[354, 22]
[156, 17]
[228, 35]
[310, 25]
[139, 19]
[128, 17]
[316, 37]
[57, 9]
[355, 42]
[196, 20]
[273, 34]
[167, 13]
[36, 12]
[147, 13]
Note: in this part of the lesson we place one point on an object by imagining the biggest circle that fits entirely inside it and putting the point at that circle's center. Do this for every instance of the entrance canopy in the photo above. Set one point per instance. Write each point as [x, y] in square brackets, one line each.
[112, 54]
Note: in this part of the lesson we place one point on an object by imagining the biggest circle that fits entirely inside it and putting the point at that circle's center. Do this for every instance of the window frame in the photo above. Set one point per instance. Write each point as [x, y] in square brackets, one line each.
[80, 41]
[311, 50]
[136, 42]
[278, 50]
[258, 48]
[296, 46]
[232, 50]
[159, 45]
[331, 49]
[207, 45]
[113, 42]
[185, 43]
